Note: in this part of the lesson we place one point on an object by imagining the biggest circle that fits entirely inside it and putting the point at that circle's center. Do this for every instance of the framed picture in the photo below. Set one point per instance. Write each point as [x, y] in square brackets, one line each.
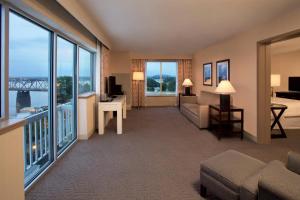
[223, 70]
[207, 74]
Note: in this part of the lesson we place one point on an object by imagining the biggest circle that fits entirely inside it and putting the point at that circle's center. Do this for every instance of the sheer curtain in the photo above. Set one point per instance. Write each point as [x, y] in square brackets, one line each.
[184, 71]
[138, 65]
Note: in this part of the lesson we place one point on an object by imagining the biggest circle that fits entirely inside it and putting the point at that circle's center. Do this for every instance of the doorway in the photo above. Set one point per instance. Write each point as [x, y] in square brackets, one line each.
[264, 84]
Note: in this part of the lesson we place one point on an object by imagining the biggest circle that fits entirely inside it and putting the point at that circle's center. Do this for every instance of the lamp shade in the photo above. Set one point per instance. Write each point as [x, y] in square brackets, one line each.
[138, 76]
[225, 87]
[275, 80]
[187, 83]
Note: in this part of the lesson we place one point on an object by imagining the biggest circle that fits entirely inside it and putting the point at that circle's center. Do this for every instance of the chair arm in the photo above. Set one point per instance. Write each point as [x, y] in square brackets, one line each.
[277, 182]
[203, 115]
[188, 99]
[293, 162]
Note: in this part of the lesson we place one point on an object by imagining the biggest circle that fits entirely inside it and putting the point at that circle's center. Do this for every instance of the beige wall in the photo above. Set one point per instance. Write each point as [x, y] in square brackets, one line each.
[285, 64]
[160, 101]
[120, 62]
[242, 52]
[12, 165]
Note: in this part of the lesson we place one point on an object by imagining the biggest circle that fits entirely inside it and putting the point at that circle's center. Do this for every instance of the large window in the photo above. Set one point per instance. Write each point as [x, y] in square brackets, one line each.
[42, 89]
[161, 78]
[85, 71]
[29, 90]
[65, 94]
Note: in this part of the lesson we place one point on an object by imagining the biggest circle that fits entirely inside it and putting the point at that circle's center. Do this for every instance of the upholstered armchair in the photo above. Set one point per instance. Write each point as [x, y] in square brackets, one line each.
[279, 181]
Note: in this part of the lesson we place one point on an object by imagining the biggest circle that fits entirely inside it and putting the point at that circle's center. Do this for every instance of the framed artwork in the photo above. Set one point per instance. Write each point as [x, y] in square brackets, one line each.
[223, 70]
[207, 74]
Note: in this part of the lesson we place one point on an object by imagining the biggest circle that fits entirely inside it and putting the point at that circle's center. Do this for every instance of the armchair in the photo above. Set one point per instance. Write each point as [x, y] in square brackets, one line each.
[279, 181]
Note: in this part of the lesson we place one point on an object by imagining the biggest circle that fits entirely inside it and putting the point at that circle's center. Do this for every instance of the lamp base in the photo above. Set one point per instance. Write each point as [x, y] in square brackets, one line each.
[187, 91]
[225, 102]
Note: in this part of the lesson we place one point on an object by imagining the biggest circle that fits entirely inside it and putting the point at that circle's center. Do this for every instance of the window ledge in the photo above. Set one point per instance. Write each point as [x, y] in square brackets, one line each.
[86, 95]
[161, 95]
[10, 124]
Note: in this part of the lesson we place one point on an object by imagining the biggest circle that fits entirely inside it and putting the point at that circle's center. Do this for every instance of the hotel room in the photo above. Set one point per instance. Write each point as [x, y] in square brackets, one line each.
[285, 81]
[150, 100]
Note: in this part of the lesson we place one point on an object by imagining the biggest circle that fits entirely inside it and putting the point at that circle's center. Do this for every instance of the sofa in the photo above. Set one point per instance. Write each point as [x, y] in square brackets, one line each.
[233, 175]
[194, 111]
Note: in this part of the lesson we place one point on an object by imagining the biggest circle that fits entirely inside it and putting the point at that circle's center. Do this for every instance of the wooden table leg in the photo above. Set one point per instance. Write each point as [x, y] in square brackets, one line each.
[277, 121]
[119, 119]
[101, 123]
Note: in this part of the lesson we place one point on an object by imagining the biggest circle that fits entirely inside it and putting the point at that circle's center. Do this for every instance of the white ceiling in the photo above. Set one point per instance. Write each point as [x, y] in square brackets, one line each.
[286, 46]
[178, 26]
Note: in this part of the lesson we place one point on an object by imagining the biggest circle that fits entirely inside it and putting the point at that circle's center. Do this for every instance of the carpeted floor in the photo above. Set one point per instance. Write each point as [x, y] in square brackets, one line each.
[157, 158]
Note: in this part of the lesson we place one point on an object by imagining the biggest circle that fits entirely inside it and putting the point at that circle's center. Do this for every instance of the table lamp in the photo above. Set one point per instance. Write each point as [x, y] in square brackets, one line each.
[275, 82]
[138, 76]
[187, 83]
[225, 89]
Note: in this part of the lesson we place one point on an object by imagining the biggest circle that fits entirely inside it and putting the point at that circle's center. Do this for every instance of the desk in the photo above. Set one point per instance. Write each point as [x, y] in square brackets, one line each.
[281, 109]
[117, 104]
[223, 121]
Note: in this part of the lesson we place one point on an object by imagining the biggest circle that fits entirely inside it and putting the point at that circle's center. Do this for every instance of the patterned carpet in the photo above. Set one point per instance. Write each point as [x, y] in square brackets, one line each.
[157, 158]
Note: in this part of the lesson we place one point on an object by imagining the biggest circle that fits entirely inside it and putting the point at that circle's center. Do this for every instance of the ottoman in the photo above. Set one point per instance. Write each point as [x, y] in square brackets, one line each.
[223, 175]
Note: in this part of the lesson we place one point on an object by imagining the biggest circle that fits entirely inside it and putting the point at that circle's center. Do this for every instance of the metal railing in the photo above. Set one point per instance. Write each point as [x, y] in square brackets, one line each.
[37, 138]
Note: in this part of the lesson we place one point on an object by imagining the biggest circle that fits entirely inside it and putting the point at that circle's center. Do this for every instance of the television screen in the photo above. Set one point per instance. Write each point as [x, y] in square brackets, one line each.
[294, 84]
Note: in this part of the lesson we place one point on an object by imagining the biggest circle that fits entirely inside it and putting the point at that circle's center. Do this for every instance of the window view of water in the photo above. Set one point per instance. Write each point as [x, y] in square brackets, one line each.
[39, 100]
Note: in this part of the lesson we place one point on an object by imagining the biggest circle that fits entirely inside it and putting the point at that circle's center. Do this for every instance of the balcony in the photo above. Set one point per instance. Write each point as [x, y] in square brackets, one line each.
[37, 140]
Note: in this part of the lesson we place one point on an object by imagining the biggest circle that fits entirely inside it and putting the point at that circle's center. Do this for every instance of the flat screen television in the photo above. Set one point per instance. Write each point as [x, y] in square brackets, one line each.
[294, 84]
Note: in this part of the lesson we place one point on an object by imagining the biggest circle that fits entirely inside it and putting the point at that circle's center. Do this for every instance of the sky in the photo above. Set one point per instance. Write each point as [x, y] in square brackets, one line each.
[168, 68]
[29, 51]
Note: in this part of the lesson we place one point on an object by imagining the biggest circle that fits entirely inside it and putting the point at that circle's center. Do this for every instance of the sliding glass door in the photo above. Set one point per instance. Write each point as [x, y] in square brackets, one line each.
[65, 94]
[30, 90]
[42, 89]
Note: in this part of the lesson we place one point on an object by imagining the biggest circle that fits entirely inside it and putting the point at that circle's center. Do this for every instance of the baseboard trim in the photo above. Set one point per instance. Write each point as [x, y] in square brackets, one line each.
[86, 137]
[250, 137]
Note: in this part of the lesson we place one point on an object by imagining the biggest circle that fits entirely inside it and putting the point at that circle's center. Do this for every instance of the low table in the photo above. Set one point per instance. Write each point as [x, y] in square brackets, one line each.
[224, 121]
[117, 104]
[277, 117]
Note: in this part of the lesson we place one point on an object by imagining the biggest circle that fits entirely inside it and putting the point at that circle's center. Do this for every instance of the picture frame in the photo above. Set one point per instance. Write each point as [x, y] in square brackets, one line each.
[207, 74]
[222, 70]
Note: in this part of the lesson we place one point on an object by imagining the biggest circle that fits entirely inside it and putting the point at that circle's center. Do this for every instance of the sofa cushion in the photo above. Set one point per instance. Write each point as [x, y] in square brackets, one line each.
[231, 168]
[293, 162]
[192, 107]
[277, 182]
[249, 189]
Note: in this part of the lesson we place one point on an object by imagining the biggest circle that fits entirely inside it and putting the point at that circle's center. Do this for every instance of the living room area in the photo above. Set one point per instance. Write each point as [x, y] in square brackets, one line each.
[105, 99]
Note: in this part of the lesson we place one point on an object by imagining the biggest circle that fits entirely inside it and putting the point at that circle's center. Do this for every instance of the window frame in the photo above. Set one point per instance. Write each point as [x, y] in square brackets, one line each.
[161, 93]
[93, 68]
[6, 8]
[2, 70]
[60, 152]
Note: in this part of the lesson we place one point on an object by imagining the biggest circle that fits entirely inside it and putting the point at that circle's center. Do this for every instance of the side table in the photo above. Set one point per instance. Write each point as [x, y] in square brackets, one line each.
[277, 117]
[224, 121]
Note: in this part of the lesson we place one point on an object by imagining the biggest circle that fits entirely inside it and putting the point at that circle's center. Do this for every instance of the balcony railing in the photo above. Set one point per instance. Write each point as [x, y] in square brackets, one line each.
[37, 139]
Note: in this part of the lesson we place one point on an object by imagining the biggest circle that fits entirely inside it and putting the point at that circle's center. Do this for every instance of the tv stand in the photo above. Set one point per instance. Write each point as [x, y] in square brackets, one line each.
[289, 95]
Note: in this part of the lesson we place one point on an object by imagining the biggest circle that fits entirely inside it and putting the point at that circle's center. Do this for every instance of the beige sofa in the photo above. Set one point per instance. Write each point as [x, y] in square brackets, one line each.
[194, 110]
